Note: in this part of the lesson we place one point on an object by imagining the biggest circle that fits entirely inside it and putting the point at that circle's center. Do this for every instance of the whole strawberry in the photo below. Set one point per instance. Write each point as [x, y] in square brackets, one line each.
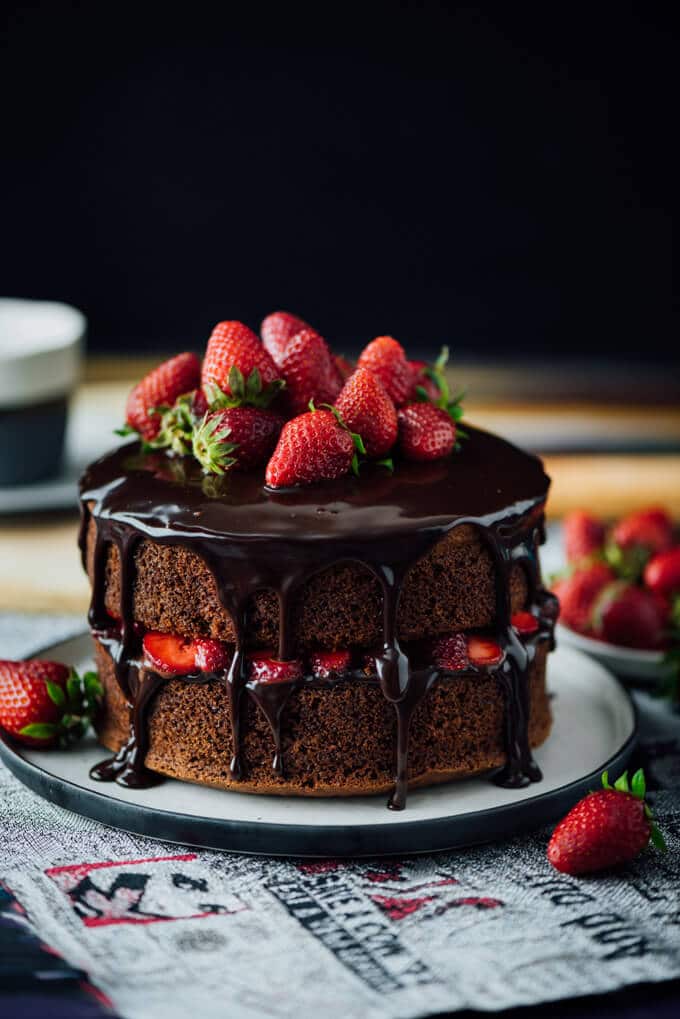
[42, 703]
[160, 387]
[386, 358]
[426, 432]
[242, 437]
[583, 535]
[650, 529]
[420, 370]
[577, 594]
[277, 329]
[310, 372]
[237, 369]
[311, 447]
[662, 572]
[606, 828]
[628, 615]
[367, 409]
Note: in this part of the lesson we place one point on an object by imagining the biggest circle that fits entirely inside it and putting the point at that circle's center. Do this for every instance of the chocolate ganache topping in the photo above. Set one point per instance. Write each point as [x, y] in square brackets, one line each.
[252, 538]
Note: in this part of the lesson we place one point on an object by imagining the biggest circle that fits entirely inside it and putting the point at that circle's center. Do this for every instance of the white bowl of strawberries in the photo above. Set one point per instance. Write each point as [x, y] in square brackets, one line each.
[620, 593]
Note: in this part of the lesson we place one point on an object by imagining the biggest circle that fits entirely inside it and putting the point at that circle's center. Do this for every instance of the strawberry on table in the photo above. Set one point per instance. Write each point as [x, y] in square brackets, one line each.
[628, 615]
[277, 329]
[237, 369]
[386, 358]
[583, 535]
[606, 828]
[43, 703]
[367, 409]
[242, 437]
[311, 447]
[160, 388]
[309, 371]
[578, 592]
[426, 432]
[265, 668]
[651, 529]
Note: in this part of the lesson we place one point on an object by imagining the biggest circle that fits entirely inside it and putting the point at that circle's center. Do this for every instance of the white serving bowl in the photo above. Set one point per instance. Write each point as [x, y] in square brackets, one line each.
[631, 663]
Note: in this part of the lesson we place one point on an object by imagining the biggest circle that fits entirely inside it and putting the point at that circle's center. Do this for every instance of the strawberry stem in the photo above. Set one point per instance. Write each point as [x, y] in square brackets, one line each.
[210, 446]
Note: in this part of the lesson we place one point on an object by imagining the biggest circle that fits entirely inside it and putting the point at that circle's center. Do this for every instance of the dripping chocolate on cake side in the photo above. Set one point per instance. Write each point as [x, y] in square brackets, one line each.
[382, 565]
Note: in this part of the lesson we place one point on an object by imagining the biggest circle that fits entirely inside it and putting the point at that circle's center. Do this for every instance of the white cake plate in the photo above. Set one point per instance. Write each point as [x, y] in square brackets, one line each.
[594, 730]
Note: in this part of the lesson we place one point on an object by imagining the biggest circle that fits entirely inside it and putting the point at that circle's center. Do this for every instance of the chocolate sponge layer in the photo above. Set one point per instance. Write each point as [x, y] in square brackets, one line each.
[336, 740]
[451, 588]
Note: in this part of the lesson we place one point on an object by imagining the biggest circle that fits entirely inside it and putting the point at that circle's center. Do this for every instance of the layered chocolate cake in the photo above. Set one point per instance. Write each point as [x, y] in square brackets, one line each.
[354, 634]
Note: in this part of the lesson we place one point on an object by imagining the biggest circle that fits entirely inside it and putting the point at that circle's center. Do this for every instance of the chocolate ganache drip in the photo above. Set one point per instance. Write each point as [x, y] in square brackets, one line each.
[253, 539]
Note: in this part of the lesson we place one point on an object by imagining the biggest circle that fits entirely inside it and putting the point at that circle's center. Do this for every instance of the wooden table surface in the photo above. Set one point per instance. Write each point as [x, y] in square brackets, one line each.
[40, 567]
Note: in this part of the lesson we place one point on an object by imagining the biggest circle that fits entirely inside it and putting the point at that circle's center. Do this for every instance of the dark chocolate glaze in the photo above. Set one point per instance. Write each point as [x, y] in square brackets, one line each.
[252, 538]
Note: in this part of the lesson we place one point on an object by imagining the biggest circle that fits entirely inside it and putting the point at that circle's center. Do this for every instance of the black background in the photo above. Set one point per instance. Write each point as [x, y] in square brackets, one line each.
[499, 178]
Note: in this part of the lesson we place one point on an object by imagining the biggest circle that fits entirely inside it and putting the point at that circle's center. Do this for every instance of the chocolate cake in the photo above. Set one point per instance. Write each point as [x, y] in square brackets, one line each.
[381, 566]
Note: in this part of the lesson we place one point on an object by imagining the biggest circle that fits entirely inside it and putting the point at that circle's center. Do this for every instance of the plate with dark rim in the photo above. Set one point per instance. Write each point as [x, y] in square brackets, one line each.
[594, 729]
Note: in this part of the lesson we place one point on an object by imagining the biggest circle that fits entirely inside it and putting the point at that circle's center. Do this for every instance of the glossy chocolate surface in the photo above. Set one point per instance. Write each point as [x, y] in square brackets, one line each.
[252, 538]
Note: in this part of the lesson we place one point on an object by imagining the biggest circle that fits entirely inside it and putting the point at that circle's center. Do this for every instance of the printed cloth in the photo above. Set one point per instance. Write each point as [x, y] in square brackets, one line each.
[164, 931]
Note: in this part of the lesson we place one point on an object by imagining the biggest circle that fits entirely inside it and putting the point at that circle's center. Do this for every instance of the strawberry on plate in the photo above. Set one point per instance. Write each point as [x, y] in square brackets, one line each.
[386, 358]
[583, 535]
[577, 594]
[426, 432]
[662, 572]
[605, 829]
[242, 437]
[43, 703]
[160, 388]
[367, 409]
[237, 369]
[312, 447]
[310, 371]
[277, 329]
[627, 615]
[651, 529]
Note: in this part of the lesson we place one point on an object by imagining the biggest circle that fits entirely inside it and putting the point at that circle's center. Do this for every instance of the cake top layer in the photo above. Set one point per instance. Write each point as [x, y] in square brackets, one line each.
[487, 481]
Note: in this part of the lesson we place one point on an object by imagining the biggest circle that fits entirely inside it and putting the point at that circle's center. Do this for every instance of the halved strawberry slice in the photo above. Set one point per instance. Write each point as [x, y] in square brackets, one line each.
[329, 663]
[525, 623]
[266, 669]
[484, 652]
[211, 655]
[168, 654]
[451, 653]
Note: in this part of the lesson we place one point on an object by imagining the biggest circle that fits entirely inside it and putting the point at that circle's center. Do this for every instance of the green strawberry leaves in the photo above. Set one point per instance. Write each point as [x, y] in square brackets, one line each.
[242, 392]
[210, 447]
[451, 404]
[78, 700]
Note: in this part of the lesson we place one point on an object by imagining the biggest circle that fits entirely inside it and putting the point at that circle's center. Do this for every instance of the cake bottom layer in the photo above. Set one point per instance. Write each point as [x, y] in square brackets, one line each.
[337, 740]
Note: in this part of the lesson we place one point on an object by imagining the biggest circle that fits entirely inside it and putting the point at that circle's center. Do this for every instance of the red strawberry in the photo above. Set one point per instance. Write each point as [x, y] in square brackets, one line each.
[326, 664]
[627, 615]
[662, 572]
[578, 592]
[606, 828]
[426, 432]
[311, 447]
[265, 669]
[310, 371]
[168, 654]
[367, 409]
[277, 329]
[525, 623]
[651, 529]
[423, 380]
[243, 437]
[386, 358]
[451, 653]
[483, 652]
[238, 365]
[211, 655]
[583, 535]
[160, 387]
[45, 702]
